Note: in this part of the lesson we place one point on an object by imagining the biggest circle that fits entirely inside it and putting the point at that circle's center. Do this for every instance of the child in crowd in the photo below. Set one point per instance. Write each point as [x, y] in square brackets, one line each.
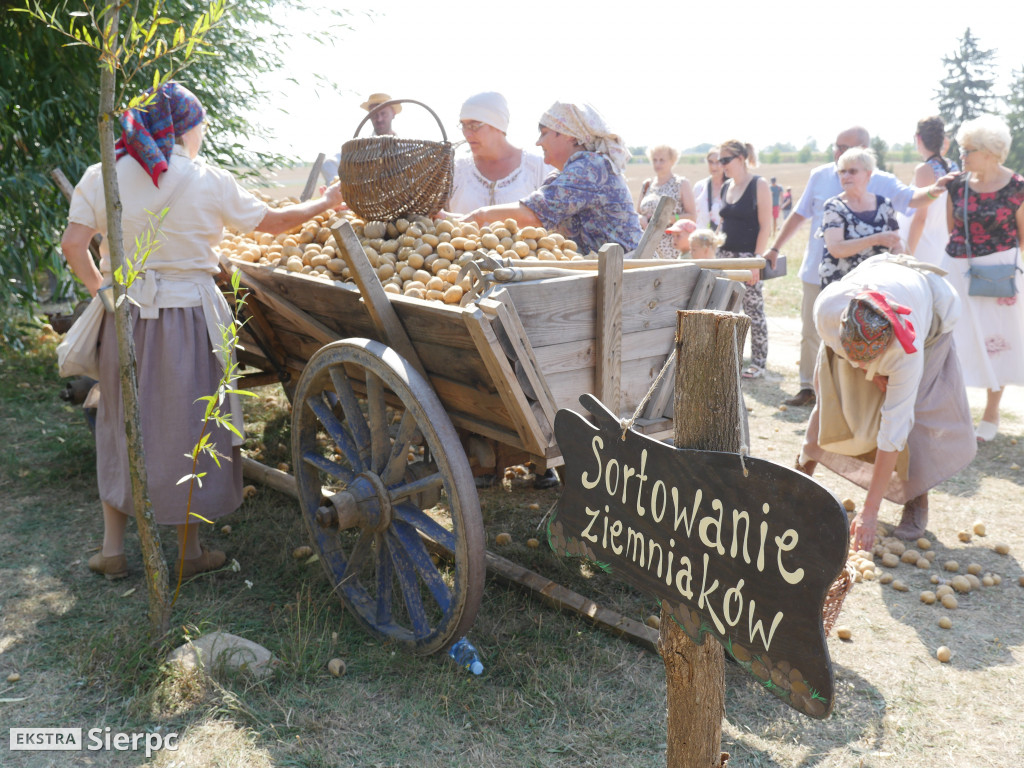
[694, 243]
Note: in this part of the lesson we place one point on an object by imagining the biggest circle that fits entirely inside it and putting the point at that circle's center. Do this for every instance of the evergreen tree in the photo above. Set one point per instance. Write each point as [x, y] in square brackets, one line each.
[1015, 120]
[966, 90]
[880, 148]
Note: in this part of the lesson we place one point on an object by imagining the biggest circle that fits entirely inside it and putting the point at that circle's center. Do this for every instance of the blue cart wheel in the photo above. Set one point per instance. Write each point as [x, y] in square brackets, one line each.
[379, 468]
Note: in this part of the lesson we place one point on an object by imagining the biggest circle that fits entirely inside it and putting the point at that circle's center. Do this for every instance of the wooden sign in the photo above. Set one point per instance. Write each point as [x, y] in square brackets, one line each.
[739, 548]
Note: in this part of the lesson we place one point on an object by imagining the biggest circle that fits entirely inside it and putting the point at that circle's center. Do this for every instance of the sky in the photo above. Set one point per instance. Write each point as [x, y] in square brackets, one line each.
[660, 72]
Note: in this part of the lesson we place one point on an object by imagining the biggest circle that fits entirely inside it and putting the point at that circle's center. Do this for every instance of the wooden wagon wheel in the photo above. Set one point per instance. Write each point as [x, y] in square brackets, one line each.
[360, 413]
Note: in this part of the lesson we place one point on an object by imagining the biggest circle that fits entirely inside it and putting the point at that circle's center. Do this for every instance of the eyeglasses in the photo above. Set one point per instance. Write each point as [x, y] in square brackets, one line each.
[964, 152]
[848, 171]
[726, 160]
[471, 126]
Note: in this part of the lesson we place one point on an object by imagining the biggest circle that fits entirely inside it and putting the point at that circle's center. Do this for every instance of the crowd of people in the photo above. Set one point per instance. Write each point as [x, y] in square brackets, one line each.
[909, 293]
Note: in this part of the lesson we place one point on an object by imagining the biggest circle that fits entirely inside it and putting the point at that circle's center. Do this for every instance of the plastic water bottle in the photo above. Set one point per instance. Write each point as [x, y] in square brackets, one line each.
[465, 656]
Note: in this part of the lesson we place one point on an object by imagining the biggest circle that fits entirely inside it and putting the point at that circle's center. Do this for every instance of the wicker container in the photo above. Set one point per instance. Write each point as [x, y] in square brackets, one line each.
[385, 177]
[836, 594]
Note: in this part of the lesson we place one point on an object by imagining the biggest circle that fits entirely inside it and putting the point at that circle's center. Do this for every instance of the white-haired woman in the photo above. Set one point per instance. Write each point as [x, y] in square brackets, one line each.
[990, 336]
[588, 199]
[855, 223]
[665, 183]
[495, 171]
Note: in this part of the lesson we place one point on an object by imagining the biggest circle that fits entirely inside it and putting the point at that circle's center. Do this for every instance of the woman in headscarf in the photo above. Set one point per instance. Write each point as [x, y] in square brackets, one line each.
[587, 200]
[495, 171]
[176, 309]
[891, 412]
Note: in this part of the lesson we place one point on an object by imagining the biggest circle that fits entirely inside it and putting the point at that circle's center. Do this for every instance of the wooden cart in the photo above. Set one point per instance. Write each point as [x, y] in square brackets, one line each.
[395, 399]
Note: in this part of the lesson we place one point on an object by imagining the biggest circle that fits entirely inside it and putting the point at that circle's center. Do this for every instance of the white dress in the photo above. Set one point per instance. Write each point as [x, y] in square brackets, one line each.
[471, 190]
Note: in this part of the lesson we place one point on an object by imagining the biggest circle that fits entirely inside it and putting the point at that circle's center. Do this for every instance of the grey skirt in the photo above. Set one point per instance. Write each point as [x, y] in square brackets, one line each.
[176, 366]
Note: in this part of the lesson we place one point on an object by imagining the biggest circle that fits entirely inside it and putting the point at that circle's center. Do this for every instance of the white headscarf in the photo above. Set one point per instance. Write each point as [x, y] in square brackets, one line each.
[489, 107]
[585, 124]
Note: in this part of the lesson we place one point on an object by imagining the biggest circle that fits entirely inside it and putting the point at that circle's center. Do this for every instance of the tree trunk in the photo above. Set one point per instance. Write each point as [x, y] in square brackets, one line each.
[149, 535]
[708, 416]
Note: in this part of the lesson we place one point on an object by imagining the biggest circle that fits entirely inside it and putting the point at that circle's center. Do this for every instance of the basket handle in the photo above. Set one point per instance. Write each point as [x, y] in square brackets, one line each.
[444, 136]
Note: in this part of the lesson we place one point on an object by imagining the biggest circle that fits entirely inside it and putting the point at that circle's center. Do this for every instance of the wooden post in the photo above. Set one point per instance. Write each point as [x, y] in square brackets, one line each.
[608, 373]
[708, 415]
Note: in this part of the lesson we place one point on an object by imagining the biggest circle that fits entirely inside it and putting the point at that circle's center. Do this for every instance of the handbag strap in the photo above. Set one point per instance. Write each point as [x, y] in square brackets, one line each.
[967, 229]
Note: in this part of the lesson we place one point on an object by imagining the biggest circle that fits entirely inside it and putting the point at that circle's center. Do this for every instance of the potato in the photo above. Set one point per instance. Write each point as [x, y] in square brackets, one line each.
[979, 528]
[928, 597]
[974, 581]
[987, 581]
[503, 539]
[844, 633]
[923, 543]
[996, 579]
[964, 536]
[249, 491]
[899, 586]
[444, 227]
[453, 295]
[960, 584]
[930, 555]
[434, 295]
[923, 563]
[950, 602]
[935, 579]
[226, 530]
[652, 621]
[336, 667]
[952, 566]
[436, 284]
[943, 654]
[301, 553]
[946, 623]
[392, 288]
[532, 543]
[489, 240]
[943, 590]
[415, 293]
[974, 568]
[896, 546]
[886, 578]
[1002, 548]
[849, 505]
[910, 556]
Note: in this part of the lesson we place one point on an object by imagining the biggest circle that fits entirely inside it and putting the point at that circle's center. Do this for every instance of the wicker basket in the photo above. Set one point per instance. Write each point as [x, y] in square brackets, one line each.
[385, 177]
[836, 594]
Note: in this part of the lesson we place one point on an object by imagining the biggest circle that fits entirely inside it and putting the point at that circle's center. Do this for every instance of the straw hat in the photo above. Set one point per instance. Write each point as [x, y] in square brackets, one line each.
[379, 98]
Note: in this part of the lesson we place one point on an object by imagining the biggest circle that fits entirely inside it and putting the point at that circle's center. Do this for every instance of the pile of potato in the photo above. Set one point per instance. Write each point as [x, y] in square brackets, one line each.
[413, 256]
[951, 584]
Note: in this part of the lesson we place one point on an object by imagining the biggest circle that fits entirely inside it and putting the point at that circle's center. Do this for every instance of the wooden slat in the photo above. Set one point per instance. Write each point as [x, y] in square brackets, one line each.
[608, 326]
[301, 319]
[562, 309]
[502, 374]
[376, 300]
[526, 356]
[726, 296]
[702, 290]
[314, 178]
[662, 218]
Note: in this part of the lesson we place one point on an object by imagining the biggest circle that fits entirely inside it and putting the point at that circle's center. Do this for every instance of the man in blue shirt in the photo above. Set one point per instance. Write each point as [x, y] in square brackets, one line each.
[823, 184]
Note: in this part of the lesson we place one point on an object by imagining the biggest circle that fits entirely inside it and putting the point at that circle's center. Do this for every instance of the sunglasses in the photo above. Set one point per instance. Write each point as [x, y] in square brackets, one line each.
[726, 160]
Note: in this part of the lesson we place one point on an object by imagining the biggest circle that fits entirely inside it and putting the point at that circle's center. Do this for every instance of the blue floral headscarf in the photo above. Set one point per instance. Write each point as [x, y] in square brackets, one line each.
[148, 136]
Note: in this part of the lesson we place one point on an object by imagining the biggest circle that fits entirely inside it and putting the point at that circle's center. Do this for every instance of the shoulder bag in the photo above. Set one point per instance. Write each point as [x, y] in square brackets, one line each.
[997, 281]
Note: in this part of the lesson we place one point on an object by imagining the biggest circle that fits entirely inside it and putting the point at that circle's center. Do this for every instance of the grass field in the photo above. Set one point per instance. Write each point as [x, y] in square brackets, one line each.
[556, 691]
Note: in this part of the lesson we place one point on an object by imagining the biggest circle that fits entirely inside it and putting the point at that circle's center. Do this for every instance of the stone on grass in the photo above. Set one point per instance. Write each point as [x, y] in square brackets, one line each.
[224, 650]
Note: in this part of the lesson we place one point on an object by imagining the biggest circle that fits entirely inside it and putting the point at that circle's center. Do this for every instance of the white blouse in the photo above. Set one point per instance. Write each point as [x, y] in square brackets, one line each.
[471, 190]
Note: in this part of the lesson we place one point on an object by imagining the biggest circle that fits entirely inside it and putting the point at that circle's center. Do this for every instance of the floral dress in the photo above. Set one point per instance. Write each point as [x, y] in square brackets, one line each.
[838, 215]
[589, 202]
[652, 196]
[989, 336]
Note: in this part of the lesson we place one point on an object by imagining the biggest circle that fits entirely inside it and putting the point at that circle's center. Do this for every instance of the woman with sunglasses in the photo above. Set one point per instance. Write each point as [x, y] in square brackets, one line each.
[856, 223]
[747, 223]
[495, 171]
[708, 193]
